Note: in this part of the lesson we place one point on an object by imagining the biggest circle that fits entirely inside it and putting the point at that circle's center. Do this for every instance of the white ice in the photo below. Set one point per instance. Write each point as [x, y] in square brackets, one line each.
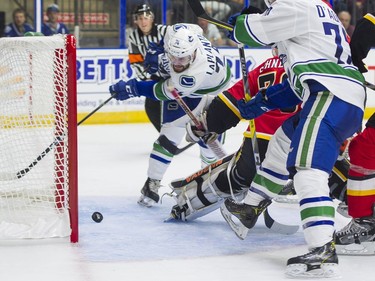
[133, 243]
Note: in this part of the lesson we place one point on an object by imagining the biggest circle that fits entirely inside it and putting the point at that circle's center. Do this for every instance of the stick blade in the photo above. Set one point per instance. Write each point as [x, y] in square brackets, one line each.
[278, 227]
[197, 8]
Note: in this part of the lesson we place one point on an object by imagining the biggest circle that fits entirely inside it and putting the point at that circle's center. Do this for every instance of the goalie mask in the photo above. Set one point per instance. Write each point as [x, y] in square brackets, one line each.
[181, 49]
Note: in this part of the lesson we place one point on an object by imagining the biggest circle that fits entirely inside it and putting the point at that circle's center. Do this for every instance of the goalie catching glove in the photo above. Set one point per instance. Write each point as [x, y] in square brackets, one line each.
[194, 134]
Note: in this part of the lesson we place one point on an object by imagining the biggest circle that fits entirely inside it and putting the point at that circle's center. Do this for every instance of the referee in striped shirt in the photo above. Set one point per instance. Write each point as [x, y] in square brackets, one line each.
[147, 31]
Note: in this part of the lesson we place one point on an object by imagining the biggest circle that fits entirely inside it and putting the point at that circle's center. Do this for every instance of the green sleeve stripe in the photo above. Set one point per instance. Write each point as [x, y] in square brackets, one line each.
[159, 91]
[243, 35]
[329, 68]
[215, 89]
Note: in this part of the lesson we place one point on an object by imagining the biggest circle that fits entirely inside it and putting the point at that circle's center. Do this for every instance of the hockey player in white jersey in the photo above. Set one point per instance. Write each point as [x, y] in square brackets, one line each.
[316, 56]
[198, 72]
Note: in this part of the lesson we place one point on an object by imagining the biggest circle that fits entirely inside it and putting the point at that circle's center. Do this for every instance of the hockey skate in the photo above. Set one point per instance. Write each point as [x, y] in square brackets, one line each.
[320, 262]
[342, 209]
[287, 194]
[247, 215]
[357, 238]
[149, 192]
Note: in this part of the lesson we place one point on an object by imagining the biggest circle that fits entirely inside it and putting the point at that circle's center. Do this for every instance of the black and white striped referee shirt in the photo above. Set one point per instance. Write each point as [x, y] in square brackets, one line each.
[138, 44]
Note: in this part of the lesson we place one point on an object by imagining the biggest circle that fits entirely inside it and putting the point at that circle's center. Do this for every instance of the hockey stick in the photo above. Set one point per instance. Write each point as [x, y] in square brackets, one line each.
[215, 145]
[199, 11]
[369, 85]
[182, 149]
[278, 227]
[6, 176]
[247, 93]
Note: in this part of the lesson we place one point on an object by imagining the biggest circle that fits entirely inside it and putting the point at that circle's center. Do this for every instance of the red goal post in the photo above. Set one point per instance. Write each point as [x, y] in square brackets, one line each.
[38, 138]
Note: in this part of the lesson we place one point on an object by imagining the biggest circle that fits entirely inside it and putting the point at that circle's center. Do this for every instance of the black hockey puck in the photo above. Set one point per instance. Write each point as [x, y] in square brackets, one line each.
[97, 217]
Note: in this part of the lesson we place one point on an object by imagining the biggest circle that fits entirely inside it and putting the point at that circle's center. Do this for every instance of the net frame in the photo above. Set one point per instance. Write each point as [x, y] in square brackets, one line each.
[21, 87]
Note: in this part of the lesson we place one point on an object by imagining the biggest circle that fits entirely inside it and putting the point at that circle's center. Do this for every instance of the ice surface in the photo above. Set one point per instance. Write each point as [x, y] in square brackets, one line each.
[133, 243]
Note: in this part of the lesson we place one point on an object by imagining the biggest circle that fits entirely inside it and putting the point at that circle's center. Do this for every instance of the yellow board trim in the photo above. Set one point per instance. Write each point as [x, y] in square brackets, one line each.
[115, 117]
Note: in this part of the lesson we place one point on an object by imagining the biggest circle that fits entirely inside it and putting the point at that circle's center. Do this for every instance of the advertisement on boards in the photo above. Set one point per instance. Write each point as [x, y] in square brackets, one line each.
[97, 69]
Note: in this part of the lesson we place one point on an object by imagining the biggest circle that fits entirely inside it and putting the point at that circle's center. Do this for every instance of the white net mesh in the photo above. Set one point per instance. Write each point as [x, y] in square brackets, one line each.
[33, 118]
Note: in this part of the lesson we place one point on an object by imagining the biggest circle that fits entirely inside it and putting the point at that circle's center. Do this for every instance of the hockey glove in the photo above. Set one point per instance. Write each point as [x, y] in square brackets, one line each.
[256, 106]
[233, 19]
[360, 43]
[151, 63]
[124, 90]
[194, 134]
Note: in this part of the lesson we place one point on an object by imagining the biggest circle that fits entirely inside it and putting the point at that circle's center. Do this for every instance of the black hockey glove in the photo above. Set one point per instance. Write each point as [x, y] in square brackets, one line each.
[361, 42]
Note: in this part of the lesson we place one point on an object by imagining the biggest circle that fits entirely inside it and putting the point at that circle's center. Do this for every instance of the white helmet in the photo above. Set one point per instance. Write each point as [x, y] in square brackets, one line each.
[182, 43]
[269, 2]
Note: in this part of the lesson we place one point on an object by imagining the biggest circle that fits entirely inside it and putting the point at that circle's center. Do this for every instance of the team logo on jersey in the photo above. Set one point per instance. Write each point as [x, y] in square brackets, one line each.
[187, 81]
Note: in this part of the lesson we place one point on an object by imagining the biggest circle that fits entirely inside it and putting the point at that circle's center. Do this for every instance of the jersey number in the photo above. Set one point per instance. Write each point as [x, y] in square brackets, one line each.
[268, 79]
[330, 29]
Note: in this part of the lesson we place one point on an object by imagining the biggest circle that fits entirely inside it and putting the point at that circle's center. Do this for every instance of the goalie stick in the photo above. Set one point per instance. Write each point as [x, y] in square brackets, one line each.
[199, 11]
[215, 145]
[5, 176]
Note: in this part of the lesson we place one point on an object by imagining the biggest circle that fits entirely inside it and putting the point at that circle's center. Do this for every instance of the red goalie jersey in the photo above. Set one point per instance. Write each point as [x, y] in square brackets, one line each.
[224, 114]
[269, 73]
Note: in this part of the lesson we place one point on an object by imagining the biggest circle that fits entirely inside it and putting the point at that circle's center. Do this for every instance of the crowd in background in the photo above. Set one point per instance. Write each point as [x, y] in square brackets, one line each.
[349, 11]
[177, 11]
[19, 27]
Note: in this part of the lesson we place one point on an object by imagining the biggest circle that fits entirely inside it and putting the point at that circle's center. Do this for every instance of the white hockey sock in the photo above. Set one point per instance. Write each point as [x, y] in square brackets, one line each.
[253, 198]
[312, 187]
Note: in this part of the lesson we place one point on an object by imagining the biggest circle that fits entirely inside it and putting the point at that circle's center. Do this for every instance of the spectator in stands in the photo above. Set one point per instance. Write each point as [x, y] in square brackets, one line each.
[211, 32]
[345, 19]
[19, 26]
[53, 26]
[216, 9]
[340, 5]
[237, 5]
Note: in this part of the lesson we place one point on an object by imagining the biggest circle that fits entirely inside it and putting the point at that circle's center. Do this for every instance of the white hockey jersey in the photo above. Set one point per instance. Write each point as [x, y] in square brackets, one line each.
[312, 44]
[207, 74]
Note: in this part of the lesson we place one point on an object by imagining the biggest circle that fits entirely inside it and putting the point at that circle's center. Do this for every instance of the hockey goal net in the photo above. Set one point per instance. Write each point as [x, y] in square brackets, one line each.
[38, 138]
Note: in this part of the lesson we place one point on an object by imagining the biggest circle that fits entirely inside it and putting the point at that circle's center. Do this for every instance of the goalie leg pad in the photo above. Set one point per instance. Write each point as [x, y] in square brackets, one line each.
[198, 195]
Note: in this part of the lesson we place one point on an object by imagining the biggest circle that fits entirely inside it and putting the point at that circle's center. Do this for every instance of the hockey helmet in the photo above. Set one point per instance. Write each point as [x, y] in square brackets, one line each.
[181, 48]
[143, 10]
[182, 43]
